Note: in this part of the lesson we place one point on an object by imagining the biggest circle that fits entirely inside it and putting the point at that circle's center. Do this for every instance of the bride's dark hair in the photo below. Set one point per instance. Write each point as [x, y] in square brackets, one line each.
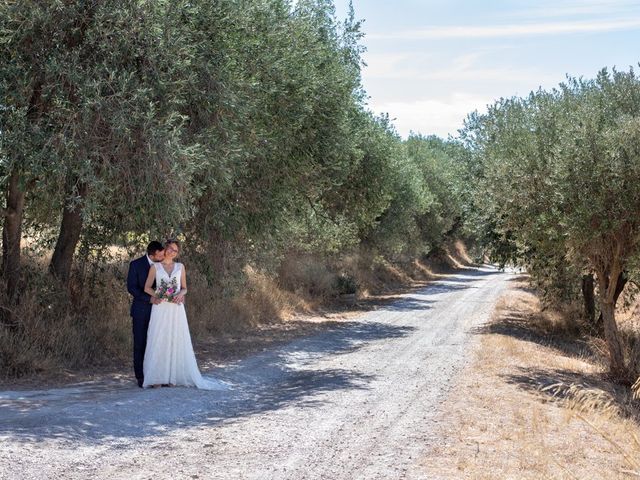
[171, 241]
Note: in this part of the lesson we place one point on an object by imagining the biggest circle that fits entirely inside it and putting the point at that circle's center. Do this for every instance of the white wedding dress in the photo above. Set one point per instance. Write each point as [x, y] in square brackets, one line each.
[169, 357]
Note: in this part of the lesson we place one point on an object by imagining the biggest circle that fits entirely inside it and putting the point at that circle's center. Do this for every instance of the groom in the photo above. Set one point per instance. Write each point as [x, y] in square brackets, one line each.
[141, 305]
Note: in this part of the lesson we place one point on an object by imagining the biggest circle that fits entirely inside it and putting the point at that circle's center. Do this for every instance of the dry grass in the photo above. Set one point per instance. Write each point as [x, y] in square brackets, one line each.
[457, 255]
[58, 329]
[628, 318]
[535, 404]
[315, 279]
[308, 276]
[261, 302]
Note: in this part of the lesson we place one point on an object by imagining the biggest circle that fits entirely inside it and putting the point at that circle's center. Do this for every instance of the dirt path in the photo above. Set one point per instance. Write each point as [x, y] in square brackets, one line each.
[357, 401]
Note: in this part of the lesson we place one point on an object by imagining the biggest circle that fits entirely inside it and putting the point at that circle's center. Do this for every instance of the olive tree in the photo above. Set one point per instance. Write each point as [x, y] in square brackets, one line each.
[93, 99]
[595, 172]
[559, 173]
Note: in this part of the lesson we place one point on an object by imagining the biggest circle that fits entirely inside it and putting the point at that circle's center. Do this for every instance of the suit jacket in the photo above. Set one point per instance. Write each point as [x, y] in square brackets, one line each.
[136, 278]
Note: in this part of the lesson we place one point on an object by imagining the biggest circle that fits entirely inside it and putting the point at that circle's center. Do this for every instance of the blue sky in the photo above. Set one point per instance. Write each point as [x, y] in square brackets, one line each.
[431, 62]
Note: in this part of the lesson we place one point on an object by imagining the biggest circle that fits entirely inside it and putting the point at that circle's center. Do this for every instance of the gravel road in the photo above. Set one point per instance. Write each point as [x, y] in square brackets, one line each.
[357, 401]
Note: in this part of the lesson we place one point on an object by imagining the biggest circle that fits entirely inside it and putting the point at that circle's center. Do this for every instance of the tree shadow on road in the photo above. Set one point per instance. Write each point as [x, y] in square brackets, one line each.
[523, 322]
[458, 279]
[270, 381]
[473, 274]
[408, 303]
[519, 325]
[579, 390]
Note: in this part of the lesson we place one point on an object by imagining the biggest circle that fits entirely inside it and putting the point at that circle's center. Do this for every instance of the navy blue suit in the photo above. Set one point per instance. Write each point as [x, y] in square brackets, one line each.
[140, 311]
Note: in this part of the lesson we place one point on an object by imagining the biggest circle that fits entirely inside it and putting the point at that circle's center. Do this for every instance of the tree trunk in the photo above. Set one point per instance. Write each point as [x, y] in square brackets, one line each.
[68, 239]
[589, 298]
[11, 236]
[620, 284]
[616, 356]
[71, 227]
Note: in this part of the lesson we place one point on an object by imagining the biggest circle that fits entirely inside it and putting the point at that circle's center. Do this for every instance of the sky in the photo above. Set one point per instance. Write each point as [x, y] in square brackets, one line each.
[431, 62]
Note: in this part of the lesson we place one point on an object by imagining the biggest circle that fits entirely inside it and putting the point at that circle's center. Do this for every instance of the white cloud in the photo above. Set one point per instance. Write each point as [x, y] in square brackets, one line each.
[501, 75]
[432, 116]
[417, 66]
[382, 64]
[554, 9]
[512, 30]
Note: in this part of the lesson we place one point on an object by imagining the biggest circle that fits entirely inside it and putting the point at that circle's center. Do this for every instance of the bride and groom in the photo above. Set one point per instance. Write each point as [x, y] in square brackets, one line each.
[162, 350]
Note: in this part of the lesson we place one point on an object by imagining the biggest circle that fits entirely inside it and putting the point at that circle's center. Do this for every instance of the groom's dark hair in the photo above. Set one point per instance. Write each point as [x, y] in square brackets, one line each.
[154, 247]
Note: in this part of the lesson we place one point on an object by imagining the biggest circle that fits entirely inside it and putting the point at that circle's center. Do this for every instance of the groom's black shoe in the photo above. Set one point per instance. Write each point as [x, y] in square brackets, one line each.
[166, 385]
[140, 382]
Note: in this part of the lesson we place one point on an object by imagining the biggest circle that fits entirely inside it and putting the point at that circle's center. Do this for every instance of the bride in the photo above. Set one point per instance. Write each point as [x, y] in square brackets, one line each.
[169, 357]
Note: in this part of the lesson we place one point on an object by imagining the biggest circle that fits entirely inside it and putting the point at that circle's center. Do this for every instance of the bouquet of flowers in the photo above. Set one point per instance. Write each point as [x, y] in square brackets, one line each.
[167, 290]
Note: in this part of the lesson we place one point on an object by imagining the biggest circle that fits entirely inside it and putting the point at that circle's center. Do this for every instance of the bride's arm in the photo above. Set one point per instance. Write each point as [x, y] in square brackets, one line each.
[183, 286]
[148, 284]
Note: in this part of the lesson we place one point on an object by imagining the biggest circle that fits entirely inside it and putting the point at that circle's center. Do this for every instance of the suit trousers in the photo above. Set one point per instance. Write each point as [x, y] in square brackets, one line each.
[140, 325]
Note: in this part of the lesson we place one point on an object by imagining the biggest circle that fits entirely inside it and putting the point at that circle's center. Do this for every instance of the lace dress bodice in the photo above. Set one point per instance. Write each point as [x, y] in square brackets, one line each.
[161, 274]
